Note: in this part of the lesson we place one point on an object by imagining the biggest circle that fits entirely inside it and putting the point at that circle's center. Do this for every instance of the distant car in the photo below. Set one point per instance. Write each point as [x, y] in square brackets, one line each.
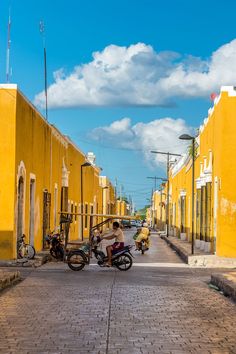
[133, 222]
[126, 223]
[138, 223]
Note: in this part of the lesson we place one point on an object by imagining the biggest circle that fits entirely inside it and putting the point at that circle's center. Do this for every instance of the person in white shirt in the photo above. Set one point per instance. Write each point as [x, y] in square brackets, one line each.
[118, 235]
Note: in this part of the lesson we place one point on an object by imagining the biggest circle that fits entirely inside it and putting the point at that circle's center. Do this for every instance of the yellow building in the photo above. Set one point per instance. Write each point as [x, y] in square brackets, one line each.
[214, 190]
[159, 210]
[107, 196]
[149, 216]
[40, 175]
[107, 200]
[122, 207]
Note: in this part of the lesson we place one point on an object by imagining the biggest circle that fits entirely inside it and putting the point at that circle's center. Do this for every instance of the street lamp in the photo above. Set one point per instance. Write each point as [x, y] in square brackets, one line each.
[168, 154]
[189, 137]
[86, 164]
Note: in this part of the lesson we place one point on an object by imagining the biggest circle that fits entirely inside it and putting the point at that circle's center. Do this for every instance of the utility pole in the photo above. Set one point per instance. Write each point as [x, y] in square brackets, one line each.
[116, 184]
[42, 31]
[155, 180]
[8, 48]
[168, 154]
[155, 186]
[151, 213]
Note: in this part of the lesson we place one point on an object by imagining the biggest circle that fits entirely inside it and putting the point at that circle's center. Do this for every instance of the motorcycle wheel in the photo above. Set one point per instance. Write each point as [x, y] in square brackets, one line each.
[124, 262]
[76, 260]
[57, 253]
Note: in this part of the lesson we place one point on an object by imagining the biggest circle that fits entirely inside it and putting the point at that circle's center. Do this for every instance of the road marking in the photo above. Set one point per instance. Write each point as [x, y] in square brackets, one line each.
[162, 265]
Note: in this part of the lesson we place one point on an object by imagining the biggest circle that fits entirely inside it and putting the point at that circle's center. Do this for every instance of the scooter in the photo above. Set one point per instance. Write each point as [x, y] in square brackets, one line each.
[121, 259]
[143, 246]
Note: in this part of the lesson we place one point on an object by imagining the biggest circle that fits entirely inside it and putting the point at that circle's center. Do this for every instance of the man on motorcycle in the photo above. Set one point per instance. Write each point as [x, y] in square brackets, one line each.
[143, 235]
[118, 235]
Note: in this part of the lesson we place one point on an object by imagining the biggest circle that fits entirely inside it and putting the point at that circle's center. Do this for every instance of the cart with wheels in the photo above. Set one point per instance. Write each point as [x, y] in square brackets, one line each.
[78, 254]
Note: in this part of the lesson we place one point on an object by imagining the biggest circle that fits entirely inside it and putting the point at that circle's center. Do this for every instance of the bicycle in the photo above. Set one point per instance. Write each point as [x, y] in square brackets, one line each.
[25, 250]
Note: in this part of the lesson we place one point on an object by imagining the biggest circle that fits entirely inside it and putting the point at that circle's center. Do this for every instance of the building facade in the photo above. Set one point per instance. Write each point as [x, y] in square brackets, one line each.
[42, 173]
[214, 188]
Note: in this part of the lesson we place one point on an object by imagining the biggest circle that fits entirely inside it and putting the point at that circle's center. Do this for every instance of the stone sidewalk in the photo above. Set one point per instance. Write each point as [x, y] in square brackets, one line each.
[8, 278]
[199, 258]
[183, 248]
[157, 308]
[39, 260]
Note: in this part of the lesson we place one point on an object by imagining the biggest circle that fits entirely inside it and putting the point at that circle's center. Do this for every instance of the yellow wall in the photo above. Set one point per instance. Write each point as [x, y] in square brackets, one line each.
[33, 150]
[215, 175]
[7, 175]
[159, 210]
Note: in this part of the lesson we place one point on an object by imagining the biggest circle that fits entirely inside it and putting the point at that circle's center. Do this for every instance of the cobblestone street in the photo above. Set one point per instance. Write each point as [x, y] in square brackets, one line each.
[159, 306]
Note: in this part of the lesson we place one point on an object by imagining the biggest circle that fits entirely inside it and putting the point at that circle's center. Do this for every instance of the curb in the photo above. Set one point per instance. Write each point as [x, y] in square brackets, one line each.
[178, 249]
[8, 278]
[38, 261]
[224, 284]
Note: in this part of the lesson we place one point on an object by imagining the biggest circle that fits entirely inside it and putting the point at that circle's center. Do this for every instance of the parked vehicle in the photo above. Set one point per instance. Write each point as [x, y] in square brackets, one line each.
[126, 224]
[133, 223]
[55, 241]
[25, 250]
[138, 223]
[121, 259]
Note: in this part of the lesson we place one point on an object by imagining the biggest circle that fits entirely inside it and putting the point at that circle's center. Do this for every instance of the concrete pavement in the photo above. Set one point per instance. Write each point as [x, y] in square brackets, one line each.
[159, 306]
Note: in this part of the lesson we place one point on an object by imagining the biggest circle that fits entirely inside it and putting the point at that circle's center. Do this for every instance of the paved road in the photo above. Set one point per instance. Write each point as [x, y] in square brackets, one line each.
[159, 306]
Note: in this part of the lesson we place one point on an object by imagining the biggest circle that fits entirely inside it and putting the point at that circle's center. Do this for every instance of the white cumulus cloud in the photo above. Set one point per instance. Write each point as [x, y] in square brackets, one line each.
[138, 75]
[159, 134]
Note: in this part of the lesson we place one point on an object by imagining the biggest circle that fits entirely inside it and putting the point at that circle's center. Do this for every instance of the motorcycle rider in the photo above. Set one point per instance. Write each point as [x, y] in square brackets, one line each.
[143, 234]
[118, 235]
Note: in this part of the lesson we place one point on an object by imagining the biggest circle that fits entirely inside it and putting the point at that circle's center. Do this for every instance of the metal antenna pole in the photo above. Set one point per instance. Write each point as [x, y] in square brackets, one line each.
[42, 31]
[8, 48]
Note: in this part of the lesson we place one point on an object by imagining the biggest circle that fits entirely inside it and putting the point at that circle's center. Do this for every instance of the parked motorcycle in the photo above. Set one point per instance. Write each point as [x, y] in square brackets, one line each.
[121, 259]
[55, 242]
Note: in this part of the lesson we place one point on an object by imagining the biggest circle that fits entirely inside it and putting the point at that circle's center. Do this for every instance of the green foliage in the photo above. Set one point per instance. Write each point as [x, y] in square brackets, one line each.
[190, 150]
[142, 212]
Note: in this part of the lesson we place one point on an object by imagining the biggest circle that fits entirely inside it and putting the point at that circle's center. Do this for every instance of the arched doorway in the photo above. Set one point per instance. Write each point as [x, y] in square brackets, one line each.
[20, 207]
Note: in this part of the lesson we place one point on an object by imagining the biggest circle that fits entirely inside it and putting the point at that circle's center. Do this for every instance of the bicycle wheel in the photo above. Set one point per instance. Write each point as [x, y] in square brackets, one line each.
[76, 260]
[26, 251]
[124, 262]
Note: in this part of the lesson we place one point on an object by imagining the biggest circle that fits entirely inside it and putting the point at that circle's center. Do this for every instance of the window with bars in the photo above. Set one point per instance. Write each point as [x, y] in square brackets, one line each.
[183, 213]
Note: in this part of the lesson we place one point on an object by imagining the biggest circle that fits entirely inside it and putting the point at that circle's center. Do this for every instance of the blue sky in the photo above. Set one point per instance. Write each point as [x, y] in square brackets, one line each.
[143, 48]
